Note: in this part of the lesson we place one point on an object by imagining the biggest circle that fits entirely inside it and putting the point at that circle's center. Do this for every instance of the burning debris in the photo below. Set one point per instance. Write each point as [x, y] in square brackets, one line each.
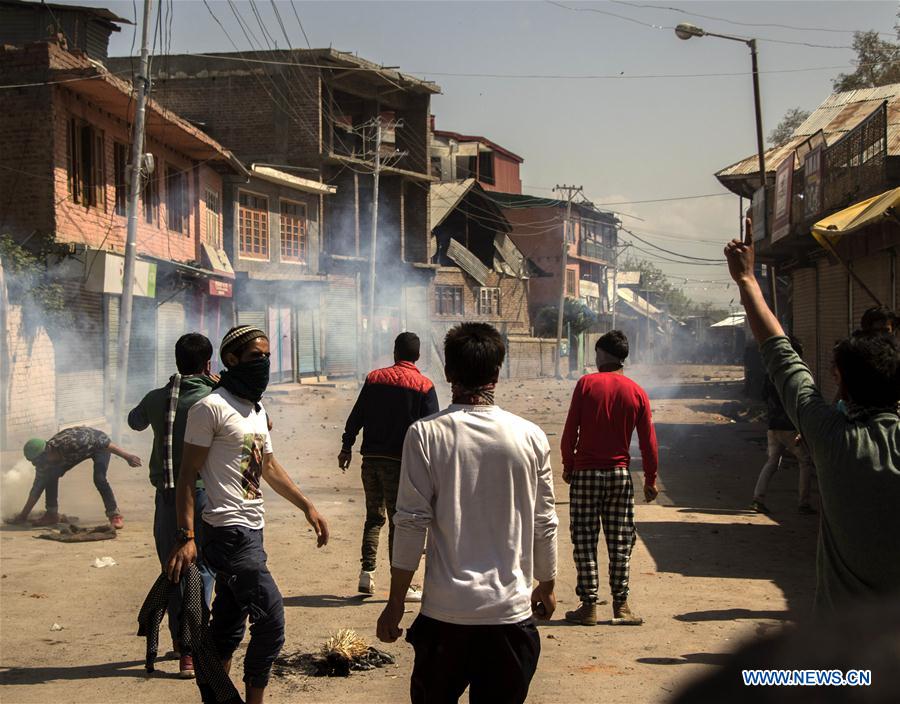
[74, 534]
[342, 653]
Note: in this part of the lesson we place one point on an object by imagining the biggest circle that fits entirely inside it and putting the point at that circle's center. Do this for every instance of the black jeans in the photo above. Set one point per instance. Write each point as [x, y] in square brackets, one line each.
[244, 589]
[51, 486]
[495, 662]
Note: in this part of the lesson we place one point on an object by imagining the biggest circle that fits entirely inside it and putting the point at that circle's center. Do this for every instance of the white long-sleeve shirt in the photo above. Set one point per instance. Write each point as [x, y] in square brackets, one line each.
[477, 480]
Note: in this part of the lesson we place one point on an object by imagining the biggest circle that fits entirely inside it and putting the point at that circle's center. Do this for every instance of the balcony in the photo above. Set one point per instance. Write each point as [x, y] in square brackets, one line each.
[595, 250]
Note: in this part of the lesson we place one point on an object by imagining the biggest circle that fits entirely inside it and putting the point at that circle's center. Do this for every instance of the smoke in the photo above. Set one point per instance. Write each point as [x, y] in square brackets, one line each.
[15, 484]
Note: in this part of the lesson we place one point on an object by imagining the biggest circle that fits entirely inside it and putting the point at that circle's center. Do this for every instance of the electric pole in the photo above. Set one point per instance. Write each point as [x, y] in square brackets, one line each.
[376, 174]
[571, 192]
[142, 84]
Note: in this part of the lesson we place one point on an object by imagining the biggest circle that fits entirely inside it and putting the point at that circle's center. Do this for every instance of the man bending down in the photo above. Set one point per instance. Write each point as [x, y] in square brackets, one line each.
[477, 479]
[227, 443]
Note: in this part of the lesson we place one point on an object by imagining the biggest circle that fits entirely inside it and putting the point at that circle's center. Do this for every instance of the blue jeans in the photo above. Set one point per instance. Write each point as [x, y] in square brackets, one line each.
[244, 589]
[50, 485]
[165, 526]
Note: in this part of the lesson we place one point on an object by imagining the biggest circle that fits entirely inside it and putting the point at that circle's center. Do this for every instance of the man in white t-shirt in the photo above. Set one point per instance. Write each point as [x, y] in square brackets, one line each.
[227, 443]
[477, 480]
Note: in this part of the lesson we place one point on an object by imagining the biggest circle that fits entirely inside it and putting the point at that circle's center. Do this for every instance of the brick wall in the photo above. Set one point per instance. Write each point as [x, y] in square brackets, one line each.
[529, 358]
[32, 383]
[514, 315]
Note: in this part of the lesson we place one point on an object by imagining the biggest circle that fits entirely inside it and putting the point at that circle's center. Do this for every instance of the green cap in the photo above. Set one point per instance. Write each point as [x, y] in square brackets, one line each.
[33, 448]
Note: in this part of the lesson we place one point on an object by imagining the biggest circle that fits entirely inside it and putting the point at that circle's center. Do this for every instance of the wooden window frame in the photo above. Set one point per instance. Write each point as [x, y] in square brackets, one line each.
[120, 178]
[298, 228]
[150, 195]
[489, 300]
[449, 296]
[212, 201]
[571, 291]
[178, 211]
[85, 163]
[262, 234]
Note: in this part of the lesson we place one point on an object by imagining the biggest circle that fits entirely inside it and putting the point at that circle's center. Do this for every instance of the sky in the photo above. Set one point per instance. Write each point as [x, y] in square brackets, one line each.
[602, 95]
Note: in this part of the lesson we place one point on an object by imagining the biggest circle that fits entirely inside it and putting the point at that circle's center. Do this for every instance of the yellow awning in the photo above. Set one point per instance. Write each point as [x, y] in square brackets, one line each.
[857, 216]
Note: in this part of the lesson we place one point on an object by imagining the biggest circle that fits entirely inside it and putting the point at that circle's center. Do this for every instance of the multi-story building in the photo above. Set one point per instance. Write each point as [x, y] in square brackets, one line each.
[848, 150]
[457, 157]
[313, 113]
[64, 150]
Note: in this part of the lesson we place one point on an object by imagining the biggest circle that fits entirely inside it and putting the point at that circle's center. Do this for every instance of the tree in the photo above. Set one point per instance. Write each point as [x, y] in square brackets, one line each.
[792, 119]
[577, 317]
[877, 63]
[657, 288]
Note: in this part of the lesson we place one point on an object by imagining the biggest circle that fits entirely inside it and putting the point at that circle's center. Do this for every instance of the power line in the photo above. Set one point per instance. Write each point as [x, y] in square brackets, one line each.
[664, 200]
[669, 251]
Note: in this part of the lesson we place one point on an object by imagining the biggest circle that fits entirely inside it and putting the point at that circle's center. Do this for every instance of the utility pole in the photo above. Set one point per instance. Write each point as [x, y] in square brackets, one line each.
[617, 251]
[142, 83]
[571, 192]
[376, 174]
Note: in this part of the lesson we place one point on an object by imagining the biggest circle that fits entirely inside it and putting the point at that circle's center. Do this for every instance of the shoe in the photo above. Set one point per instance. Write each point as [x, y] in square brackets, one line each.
[48, 519]
[186, 667]
[117, 521]
[806, 510]
[584, 615]
[759, 507]
[366, 582]
[413, 594]
[622, 616]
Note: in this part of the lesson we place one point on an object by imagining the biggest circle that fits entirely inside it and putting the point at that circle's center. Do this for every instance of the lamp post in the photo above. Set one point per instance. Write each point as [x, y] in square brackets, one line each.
[686, 31]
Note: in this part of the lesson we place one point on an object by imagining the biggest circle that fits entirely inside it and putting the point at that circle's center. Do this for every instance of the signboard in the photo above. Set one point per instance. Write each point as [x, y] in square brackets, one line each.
[106, 271]
[758, 214]
[812, 191]
[222, 289]
[216, 260]
[784, 181]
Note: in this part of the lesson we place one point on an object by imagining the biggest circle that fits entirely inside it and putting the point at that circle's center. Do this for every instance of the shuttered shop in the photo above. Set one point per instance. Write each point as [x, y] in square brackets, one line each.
[875, 271]
[417, 318]
[834, 322]
[171, 324]
[309, 342]
[804, 314]
[341, 334]
[79, 359]
[256, 318]
[142, 349]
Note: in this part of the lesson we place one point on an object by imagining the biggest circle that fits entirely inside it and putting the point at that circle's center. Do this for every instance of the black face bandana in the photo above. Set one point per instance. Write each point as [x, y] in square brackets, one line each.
[248, 379]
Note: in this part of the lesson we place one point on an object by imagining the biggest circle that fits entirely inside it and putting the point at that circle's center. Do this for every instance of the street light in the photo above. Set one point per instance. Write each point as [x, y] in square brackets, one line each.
[685, 31]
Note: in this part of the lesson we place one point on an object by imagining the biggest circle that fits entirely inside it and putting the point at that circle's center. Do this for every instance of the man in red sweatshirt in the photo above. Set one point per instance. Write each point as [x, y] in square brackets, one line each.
[606, 408]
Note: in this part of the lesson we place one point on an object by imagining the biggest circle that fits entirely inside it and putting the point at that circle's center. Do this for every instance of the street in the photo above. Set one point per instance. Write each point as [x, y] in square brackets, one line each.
[706, 574]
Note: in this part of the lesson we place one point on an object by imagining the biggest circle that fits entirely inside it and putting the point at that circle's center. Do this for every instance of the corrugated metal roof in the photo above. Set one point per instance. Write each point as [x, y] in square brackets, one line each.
[838, 114]
[445, 197]
[468, 262]
[511, 256]
[736, 320]
[628, 278]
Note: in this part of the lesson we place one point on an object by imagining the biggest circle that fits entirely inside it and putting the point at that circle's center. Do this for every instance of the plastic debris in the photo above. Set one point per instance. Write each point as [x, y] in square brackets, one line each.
[56, 627]
[104, 562]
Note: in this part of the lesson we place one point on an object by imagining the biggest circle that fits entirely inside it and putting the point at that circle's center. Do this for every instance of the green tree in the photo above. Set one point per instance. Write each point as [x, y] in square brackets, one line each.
[577, 318]
[792, 119]
[877, 63]
[656, 286]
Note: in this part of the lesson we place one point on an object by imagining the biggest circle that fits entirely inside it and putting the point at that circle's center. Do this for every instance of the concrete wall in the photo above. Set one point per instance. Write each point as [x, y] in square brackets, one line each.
[31, 391]
[529, 358]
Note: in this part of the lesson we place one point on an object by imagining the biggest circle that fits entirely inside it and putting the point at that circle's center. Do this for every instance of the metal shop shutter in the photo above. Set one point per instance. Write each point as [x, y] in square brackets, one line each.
[804, 315]
[833, 318]
[341, 334]
[875, 271]
[142, 350]
[79, 360]
[171, 322]
[309, 341]
[417, 318]
[256, 318]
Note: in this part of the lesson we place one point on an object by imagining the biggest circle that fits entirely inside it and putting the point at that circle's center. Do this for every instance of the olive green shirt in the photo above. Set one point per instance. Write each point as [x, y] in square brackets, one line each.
[858, 465]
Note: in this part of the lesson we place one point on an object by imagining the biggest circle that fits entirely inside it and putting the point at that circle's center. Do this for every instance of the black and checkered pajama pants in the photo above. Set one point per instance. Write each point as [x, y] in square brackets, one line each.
[602, 497]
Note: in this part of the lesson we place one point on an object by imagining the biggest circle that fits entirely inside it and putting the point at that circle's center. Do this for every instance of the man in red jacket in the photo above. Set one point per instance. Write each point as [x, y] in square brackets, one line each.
[606, 408]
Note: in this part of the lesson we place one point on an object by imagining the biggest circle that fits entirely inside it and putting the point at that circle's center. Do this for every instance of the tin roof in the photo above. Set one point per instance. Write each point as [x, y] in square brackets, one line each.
[837, 115]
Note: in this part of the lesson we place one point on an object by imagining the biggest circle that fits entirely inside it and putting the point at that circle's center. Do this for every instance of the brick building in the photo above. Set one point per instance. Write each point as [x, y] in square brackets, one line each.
[64, 146]
[457, 157]
[310, 112]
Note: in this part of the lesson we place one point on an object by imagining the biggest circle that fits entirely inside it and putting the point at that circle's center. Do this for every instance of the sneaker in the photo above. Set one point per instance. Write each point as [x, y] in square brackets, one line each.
[584, 615]
[186, 667]
[806, 510]
[48, 519]
[414, 594]
[622, 616]
[366, 582]
[117, 521]
[759, 507]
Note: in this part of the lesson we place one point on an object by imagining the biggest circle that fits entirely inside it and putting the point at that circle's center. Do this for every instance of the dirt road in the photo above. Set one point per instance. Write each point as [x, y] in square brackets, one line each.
[706, 572]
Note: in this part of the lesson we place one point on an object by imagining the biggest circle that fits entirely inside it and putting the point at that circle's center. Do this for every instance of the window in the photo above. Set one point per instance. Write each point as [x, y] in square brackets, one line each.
[293, 232]
[437, 169]
[120, 177]
[253, 226]
[570, 283]
[177, 208]
[85, 164]
[448, 300]
[489, 301]
[150, 196]
[213, 219]
[486, 167]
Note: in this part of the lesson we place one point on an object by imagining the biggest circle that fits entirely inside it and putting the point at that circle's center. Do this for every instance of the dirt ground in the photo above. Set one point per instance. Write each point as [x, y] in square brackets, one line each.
[706, 575]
